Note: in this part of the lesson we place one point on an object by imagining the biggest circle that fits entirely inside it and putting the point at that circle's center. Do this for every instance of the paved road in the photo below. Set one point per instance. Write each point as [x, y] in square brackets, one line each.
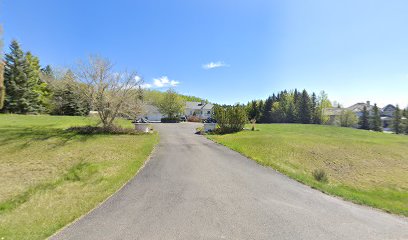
[193, 188]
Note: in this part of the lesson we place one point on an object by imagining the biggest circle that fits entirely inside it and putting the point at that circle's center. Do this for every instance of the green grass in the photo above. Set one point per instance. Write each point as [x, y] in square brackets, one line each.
[49, 177]
[365, 167]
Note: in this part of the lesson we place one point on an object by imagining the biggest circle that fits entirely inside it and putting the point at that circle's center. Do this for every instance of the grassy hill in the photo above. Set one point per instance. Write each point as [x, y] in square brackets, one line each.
[365, 167]
[49, 176]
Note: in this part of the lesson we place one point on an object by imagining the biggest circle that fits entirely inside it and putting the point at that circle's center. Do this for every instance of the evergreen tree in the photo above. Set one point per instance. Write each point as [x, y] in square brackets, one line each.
[315, 117]
[397, 121]
[2, 88]
[38, 89]
[259, 117]
[376, 120]
[18, 89]
[364, 119]
[305, 108]
[47, 70]
[267, 111]
[253, 110]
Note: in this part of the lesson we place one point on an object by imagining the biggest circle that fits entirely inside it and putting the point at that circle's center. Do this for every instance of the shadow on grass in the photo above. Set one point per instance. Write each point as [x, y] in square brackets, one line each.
[24, 137]
[80, 172]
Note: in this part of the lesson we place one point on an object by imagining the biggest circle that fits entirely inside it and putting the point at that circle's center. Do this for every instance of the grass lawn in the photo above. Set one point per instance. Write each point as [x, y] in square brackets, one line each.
[49, 177]
[365, 167]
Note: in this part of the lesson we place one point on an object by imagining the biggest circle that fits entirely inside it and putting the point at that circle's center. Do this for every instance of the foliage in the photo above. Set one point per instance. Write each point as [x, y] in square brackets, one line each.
[347, 118]
[375, 123]
[154, 97]
[193, 118]
[320, 175]
[2, 88]
[230, 118]
[171, 105]
[19, 95]
[290, 107]
[397, 125]
[113, 129]
[363, 166]
[170, 120]
[68, 97]
[364, 119]
[110, 93]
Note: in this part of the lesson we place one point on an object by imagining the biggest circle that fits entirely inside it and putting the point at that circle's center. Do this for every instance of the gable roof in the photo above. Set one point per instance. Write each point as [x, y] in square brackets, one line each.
[199, 105]
[333, 111]
[358, 107]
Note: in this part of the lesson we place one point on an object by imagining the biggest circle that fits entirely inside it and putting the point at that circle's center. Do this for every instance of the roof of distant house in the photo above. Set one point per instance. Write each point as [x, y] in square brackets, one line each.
[199, 105]
[333, 111]
[358, 107]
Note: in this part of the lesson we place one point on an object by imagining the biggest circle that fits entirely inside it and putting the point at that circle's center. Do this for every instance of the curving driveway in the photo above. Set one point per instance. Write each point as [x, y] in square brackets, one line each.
[193, 188]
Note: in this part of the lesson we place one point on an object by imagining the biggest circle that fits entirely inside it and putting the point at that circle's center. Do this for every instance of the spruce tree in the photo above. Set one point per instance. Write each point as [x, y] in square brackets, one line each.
[305, 108]
[315, 117]
[397, 121]
[2, 88]
[364, 119]
[253, 110]
[18, 97]
[267, 109]
[376, 120]
[36, 89]
[259, 117]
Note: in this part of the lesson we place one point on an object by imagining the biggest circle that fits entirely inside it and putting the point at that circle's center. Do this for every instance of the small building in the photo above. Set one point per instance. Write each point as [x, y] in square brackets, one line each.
[202, 109]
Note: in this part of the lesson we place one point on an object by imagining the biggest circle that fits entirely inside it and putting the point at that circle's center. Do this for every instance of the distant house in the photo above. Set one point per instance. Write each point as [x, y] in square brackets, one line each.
[152, 113]
[359, 107]
[202, 109]
[386, 113]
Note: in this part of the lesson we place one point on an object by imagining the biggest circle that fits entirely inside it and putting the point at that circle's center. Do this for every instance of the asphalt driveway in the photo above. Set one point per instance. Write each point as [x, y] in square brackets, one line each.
[193, 188]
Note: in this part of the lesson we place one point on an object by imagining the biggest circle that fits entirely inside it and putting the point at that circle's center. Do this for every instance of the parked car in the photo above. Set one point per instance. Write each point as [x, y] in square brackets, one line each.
[210, 120]
[183, 119]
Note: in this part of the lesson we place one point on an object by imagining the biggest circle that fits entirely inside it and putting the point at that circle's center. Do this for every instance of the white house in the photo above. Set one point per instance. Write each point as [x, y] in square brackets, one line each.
[201, 109]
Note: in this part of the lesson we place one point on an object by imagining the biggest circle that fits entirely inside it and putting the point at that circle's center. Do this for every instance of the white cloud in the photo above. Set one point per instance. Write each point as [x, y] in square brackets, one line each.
[212, 65]
[146, 85]
[160, 82]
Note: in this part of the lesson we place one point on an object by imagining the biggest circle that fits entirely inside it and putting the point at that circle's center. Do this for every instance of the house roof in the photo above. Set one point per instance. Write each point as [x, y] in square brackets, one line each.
[389, 107]
[199, 105]
[358, 107]
[333, 111]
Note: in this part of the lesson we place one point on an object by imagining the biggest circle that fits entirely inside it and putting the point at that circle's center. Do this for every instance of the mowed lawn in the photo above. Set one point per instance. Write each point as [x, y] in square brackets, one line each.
[49, 176]
[365, 167]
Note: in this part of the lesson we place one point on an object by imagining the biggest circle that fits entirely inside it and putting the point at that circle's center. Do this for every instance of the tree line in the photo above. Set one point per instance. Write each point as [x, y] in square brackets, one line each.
[290, 107]
[29, 88]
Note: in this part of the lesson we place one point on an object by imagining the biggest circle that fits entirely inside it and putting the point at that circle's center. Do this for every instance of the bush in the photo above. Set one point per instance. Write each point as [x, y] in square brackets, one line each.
[170, 120]
[193, 119]
[320, 175]
[88, 130]
[230, 119]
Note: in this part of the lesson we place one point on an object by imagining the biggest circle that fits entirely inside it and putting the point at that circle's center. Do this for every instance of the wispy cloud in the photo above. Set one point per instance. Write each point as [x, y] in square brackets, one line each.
[160, 82]
[212, 65]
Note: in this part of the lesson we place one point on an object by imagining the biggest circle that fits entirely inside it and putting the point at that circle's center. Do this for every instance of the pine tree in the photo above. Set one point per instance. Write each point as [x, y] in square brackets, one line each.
[315, 118]
[376, 120]
[2, 88]
[37, 87]
[364, 119]
[397, 121]
[267, 109]
[305, 108]
[253, 110]
[259, 117]
[18, 98]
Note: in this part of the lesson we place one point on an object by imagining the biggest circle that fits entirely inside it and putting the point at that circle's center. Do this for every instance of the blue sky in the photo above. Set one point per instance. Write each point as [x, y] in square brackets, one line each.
[229, 51]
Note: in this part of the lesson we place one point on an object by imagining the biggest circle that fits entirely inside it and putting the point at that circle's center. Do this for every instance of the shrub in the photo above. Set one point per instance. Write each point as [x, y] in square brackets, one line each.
[170, 120]
[87, 130]
[230, 119]
[193, 119]
[320, 175]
